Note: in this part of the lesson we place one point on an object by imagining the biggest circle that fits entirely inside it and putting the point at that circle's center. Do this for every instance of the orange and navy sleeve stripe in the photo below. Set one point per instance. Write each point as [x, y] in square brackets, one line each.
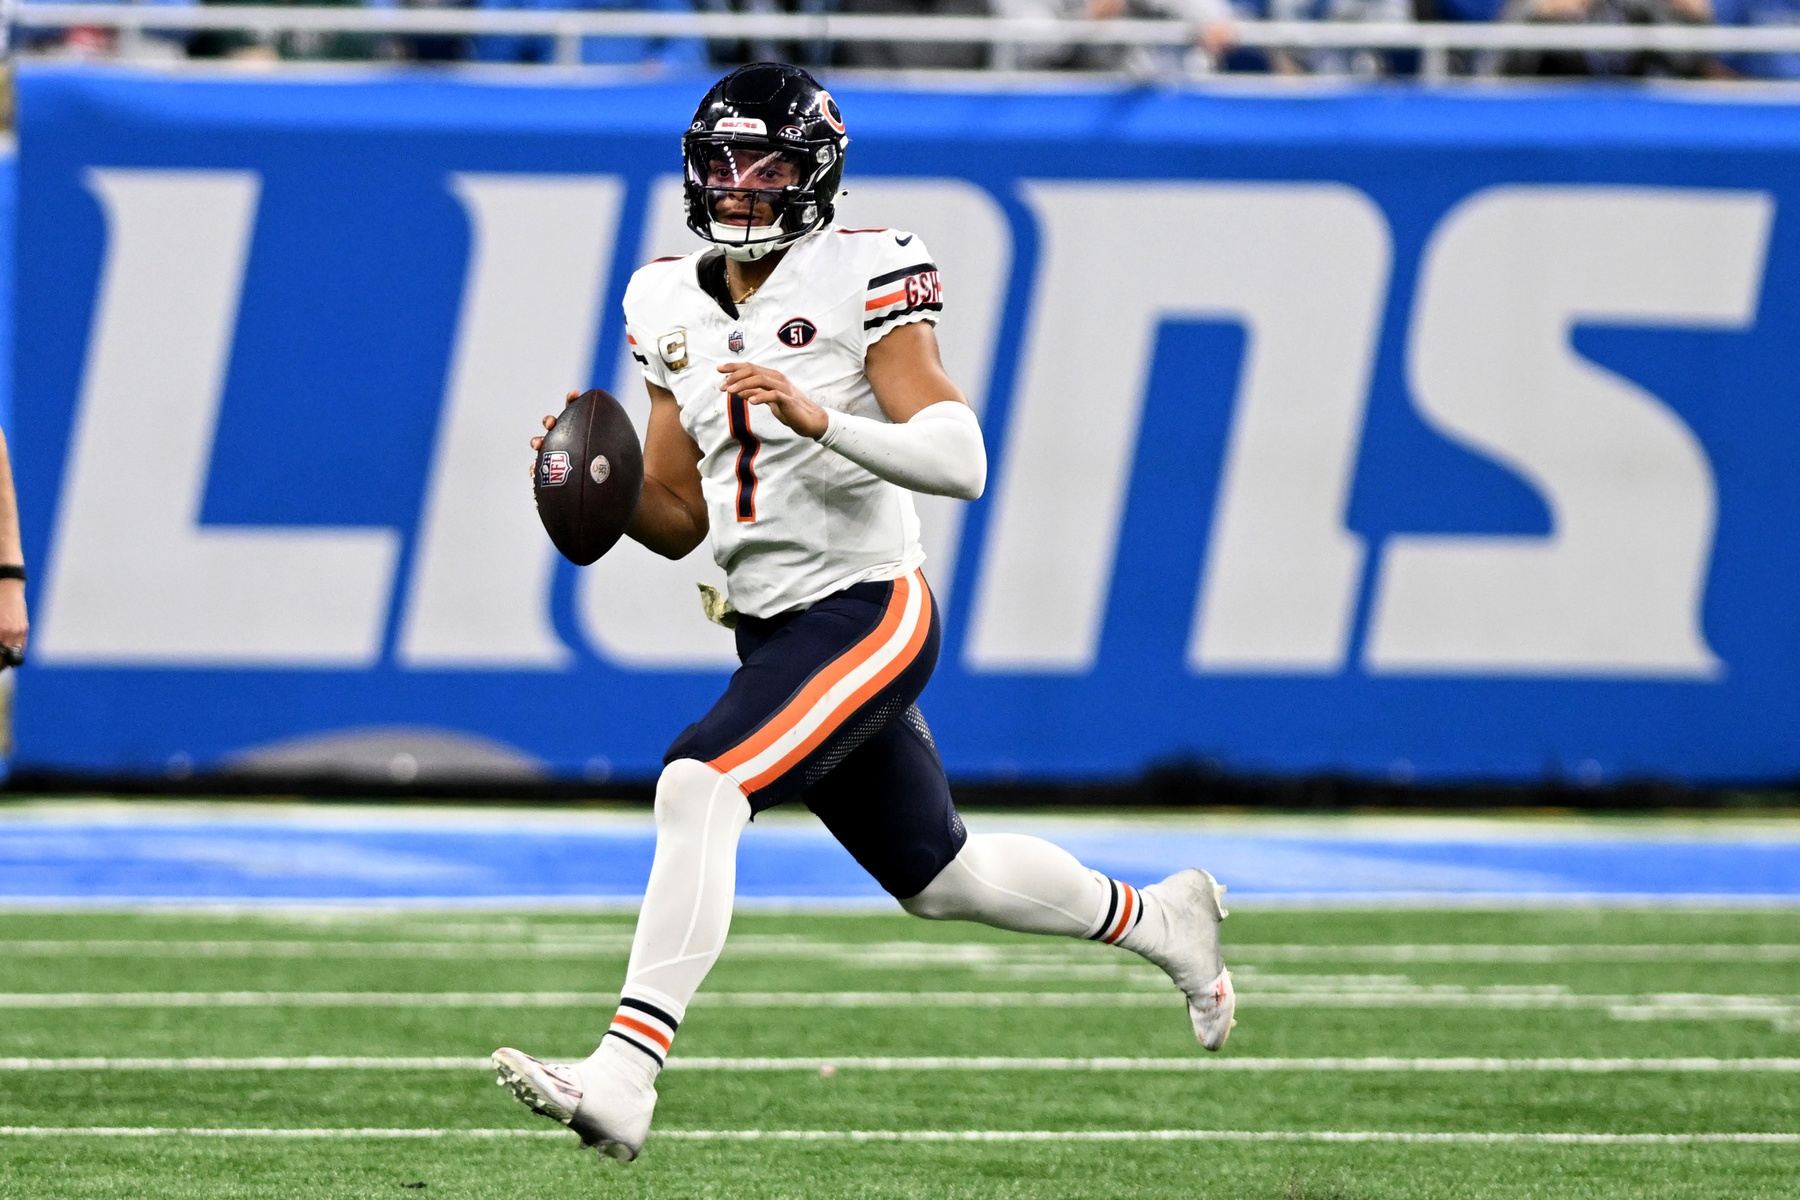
[913, 292]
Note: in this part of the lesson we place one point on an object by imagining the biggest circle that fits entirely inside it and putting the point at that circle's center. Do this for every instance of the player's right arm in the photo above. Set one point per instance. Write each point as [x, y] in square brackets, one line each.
[671, 511]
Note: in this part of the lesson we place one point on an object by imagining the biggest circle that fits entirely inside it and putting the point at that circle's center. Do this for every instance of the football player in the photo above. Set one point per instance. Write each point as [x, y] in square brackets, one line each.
[797, 401]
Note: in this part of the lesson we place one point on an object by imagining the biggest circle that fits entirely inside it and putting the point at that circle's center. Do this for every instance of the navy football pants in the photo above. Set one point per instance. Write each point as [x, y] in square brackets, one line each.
[822, 711]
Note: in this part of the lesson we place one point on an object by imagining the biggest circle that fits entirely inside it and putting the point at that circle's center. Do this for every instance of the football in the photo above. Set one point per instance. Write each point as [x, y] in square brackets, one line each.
[590, 470]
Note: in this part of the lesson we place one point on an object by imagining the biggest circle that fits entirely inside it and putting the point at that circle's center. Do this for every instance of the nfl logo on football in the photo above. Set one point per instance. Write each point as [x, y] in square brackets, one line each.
[553, 468]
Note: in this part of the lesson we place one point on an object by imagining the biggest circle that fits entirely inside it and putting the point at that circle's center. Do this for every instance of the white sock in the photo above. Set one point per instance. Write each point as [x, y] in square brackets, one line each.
[700, 814]
[1026, 884]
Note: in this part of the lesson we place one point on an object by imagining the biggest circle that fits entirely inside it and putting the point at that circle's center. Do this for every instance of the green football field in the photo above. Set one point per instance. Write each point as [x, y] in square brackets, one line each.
[1562, 1053]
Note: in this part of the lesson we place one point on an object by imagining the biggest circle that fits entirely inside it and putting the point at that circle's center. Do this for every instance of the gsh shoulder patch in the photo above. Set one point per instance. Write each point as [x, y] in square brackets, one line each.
[797, 333]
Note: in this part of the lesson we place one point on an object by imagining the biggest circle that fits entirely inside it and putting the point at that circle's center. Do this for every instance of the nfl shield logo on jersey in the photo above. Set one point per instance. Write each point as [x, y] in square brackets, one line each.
[553, 468]
[736, 341]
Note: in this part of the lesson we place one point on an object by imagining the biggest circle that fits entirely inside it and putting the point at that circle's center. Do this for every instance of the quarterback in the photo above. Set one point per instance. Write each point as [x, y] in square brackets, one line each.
[797, 400]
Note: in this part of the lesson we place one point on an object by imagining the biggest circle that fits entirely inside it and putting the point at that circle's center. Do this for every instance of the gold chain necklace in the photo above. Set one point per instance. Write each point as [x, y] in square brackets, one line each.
[745, 296]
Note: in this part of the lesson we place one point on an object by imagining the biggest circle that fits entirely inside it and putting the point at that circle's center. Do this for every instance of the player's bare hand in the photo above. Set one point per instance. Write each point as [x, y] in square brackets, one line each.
[760, 385]
[550, 422]
[537, 443]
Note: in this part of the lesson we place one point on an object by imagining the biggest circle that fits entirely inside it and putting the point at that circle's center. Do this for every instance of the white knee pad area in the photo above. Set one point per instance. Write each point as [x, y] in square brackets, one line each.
[691, 795]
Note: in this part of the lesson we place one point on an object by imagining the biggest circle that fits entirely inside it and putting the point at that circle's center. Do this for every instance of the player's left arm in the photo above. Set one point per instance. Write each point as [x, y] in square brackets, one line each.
[933, 443]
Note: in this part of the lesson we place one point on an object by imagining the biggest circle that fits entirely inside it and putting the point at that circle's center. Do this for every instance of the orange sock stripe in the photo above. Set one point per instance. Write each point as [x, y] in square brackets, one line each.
[650, 1031]
[795, 710]
[1118, 931]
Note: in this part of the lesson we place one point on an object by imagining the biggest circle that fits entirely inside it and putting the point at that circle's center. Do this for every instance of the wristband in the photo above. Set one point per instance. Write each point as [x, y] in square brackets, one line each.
[12, 571]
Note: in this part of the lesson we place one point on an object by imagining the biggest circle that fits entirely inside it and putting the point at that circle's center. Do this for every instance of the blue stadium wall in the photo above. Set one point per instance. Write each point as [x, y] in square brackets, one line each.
[1397, 433]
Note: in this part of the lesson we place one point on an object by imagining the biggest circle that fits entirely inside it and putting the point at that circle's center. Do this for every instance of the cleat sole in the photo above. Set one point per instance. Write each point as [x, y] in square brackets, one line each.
[514, 1078]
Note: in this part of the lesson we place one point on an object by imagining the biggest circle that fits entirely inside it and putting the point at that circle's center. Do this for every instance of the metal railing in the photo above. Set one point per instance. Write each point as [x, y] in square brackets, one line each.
[1433, 40]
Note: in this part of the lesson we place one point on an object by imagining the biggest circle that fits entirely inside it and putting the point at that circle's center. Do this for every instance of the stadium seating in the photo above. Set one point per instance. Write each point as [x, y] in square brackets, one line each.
[668, 52]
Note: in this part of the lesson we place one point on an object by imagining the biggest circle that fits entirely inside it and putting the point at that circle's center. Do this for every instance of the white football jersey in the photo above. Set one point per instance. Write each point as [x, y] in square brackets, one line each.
[792, 522]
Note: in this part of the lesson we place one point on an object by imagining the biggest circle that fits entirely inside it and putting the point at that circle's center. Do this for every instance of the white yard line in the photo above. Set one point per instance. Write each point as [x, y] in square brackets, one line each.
[945, 1063]
[624, 905]
[317, 1062]
[522, 945]
[952, 1135]
[1397, 996]
[1499, 953]
[42, 1000]
[875, 904]
[988, 1063]
[122, 948]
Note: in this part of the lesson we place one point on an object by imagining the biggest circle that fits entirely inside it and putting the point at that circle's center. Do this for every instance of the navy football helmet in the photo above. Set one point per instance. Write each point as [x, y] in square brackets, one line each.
[764, 158]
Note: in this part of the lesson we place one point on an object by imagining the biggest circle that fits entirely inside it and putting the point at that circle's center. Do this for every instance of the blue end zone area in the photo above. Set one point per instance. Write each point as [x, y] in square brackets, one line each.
[55, 854]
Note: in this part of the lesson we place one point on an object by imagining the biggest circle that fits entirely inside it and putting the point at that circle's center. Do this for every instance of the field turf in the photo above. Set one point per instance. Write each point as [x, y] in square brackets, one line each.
[1379, 1054]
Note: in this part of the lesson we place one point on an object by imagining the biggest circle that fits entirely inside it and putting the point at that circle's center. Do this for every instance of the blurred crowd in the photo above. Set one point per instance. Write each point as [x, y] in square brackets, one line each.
[1215, 45]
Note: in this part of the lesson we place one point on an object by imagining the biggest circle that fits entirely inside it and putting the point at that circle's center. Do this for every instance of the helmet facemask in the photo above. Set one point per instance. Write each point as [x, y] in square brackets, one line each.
[752, 196]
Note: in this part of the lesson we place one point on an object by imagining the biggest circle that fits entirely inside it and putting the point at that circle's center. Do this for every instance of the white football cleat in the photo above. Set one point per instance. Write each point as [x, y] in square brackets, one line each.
[601, 1099]
[1184, 941]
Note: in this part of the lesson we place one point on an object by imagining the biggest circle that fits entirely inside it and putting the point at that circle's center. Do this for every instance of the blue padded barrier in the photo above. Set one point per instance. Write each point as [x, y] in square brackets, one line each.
[1413, 435]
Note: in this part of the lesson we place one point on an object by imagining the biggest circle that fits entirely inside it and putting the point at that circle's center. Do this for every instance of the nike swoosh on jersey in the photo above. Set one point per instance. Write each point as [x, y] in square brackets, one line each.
[903, 240]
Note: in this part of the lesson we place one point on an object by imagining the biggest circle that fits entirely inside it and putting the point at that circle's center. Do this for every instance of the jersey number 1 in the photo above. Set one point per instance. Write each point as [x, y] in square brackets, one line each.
[748, 445]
